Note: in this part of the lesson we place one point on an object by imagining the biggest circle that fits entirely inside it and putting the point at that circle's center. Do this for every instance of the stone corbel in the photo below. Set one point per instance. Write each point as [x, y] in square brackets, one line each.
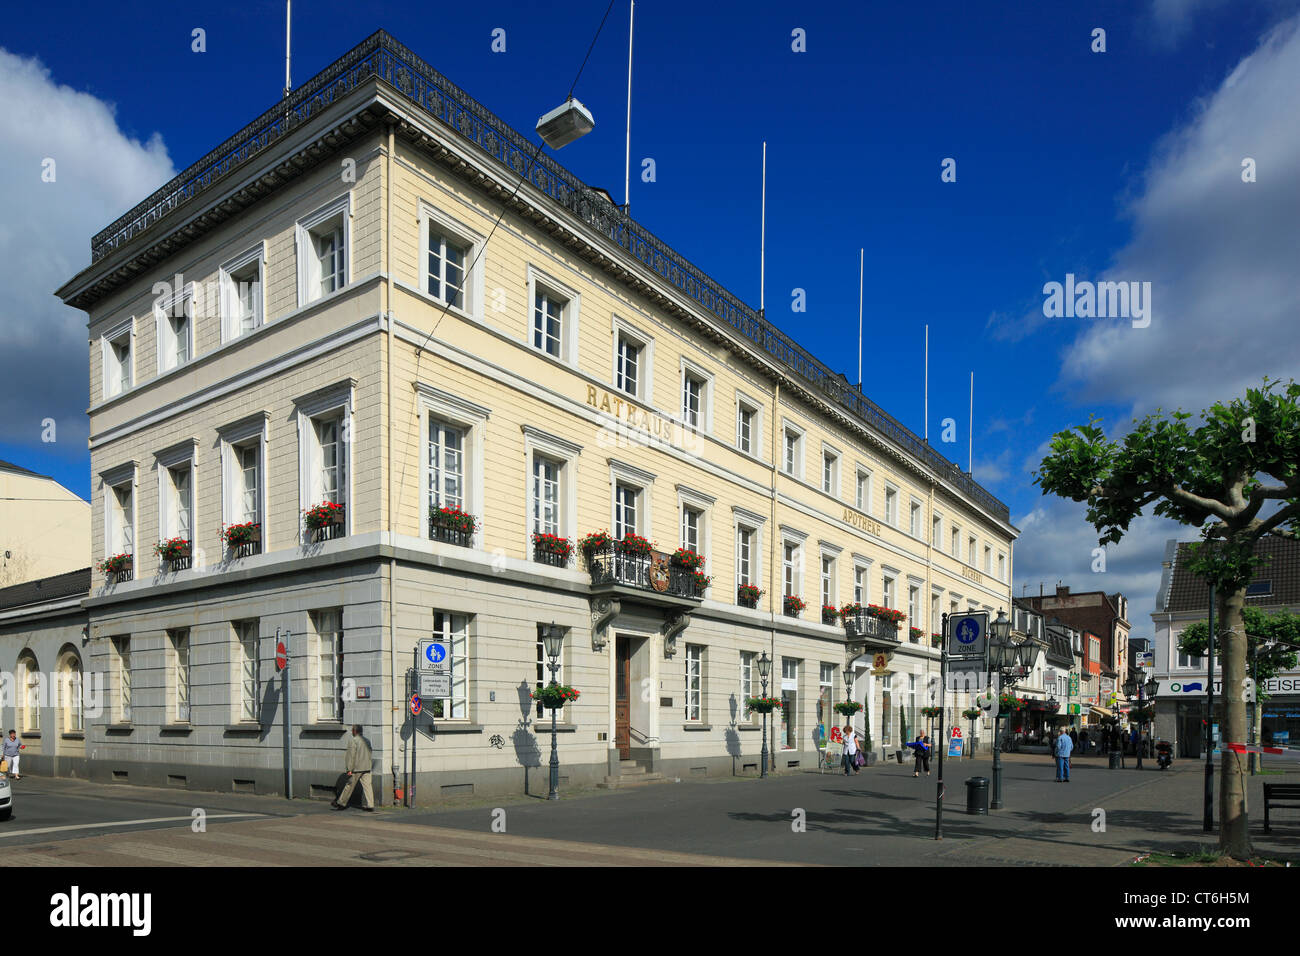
[674, 625]
[603, 610]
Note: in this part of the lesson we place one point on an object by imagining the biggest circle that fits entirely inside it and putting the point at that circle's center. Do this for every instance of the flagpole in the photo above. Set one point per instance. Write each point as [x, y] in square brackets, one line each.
[860, 260]
[970, 436]
[762, 240]
[288, 20]
[627, 156]
[926, 428]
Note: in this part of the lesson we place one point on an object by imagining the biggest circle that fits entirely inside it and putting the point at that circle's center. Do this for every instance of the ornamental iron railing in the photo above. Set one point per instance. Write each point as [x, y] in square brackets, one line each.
[646, 572]
[380, 55]
[863, 625]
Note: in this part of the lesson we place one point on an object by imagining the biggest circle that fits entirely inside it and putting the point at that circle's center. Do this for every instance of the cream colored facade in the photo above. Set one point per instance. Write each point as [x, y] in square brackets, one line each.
[44, 528]
[393, 364]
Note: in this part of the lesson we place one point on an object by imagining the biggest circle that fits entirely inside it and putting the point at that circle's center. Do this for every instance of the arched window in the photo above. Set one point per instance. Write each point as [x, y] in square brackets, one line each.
[71, 709]
[28, 691]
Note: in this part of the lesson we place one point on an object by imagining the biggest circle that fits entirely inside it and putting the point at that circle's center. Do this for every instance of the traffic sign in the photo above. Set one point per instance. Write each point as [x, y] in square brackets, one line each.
[433, 656]
[435, 686]
[968, 634]
[416, 705]
[281, 656]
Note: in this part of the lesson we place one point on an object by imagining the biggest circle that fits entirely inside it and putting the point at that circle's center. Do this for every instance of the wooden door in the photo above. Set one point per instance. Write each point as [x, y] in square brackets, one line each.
[622, 703]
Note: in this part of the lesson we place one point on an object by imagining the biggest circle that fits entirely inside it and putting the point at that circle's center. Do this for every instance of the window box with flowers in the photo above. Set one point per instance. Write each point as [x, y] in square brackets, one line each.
[243, 539]
[972, 713]
[936, 640]
[793, 605]
[118, 567]
[847, 707]
[702, 582]
[830, 614]
[453, 526]
[175, 553]
[747, 595]
[555, 696]
[325, 520]
[635, 545]
[552, 549]
[931, 712]
[596, 541]
[762, 705]
[871, 622]
[914, 635]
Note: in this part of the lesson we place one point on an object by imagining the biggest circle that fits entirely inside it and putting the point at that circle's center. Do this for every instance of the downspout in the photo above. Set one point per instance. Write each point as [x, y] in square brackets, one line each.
[392, 560]
[771, 564]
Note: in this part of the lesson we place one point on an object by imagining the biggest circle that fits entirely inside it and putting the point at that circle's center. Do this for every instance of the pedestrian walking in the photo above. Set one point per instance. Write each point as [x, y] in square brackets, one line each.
[922, 754]
[850, 758]
[357, 763]
[1064, 747]
[929, 749]
[12, 748]
[1074, 738]
[1083, 739]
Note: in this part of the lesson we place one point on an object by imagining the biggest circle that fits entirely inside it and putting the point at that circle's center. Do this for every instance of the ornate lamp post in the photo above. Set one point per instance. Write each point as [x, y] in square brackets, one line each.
[1000, 653]
[1135, 686]
[764, 668]
[552, 643]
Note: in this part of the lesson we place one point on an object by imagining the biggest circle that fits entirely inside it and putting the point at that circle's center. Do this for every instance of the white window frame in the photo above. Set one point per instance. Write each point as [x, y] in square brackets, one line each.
[915, 606]
[459, 644]
[318, 646]
[164, 337]
[122, 665]
[752, 522]
[111, 480]
[231, 318]
[862, 579]
[789, 428]
[755, 410]
[694, 370]
[622, 328]
[888, 581]
[566, 453]
[182, 455]
[309, 277]
[833, 454]
[326, 402]
[434, 403]
[431, 216]
[988, 560]
[861, 500]
[621, 473]
[111, 369]
[897, 518]
[915, 506]
[251, 430]
[936, 531]
[797, 539]
[695, 705]
[181, 679]
[702, 503]
[972, 545]
[28, 688]
[244, 666]
[827, 578]
[748, 670]
[569, 315]
[954, 535]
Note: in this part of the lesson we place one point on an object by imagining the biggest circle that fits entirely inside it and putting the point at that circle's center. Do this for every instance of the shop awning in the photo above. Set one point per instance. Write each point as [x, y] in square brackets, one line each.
[1101, 712]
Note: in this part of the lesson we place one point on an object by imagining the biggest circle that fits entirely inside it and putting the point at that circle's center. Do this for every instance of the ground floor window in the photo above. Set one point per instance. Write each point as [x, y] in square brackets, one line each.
[789, 704]
[1281, 722]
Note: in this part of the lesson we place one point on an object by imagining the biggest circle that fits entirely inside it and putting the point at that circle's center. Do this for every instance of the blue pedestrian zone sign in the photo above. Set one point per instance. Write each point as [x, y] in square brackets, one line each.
[968, 634]
[432, 655]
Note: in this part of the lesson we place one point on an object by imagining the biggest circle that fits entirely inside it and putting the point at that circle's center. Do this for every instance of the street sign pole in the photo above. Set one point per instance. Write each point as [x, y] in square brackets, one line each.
[943, 726]
[288, 713]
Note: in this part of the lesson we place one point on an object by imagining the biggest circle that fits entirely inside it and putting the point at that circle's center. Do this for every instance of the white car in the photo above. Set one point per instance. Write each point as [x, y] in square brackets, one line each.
[6, 798]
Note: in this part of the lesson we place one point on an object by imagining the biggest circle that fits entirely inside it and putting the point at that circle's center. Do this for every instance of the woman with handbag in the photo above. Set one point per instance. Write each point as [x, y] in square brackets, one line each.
[850, 758]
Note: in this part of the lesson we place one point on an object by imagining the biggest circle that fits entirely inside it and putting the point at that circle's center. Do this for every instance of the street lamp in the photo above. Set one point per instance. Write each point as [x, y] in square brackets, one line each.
[567, 122]
[552, 643]
[764, 668]
[1001, 653]
[1135, 686]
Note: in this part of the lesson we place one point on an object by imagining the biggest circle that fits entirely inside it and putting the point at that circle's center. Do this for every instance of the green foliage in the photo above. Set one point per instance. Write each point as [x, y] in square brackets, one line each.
[902, 725]
[1261, 629]
[866, 729]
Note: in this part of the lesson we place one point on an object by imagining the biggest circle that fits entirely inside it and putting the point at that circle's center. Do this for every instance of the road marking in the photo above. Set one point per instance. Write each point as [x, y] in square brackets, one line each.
[125, 823]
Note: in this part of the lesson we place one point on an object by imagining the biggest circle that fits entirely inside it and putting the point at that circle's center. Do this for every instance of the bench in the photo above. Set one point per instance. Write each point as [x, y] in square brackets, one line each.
[1280, 795]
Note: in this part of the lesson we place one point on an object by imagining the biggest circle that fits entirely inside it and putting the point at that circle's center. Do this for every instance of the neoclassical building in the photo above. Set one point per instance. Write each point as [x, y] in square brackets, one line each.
[358, 358]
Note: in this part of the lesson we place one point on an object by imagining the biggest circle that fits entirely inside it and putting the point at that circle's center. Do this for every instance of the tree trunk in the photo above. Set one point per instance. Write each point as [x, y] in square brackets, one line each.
[1234, 827]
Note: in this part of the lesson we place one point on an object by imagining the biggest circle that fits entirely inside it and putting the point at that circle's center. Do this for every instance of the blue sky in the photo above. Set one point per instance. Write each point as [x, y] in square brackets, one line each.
[1067, 161]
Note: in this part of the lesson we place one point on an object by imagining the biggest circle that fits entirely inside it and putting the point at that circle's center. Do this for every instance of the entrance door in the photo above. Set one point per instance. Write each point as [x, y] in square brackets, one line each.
[622, 703]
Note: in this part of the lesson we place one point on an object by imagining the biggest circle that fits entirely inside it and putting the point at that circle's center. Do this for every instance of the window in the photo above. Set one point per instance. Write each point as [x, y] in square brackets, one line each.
[446, 472]
[122, 651]
[118, 354]
[914, 608]
[970, 551]
[828, 581]
[250, 696]
[936, 531]
[790, 568]
[452, 631]
[180, 654]
[863, 499]
[242, 484]
[956, 542]
[626, 501]
[789, 703]
[887, 591]
[180, 516]
[544, 668]
[328, 626]
[744, 555]
[248, 465]
[324, 449]
[1185, 659]
[553, 328]
[546, 495]
[825, 697]
[121, 523]
[988, 560]
[446, 266]
[914, 524]
[1002, 567]
[891, 506]
[322, 241]
[241, 283]
[792, 463]
[692, 523]
[830, 473]
[693, 398]
[694, 682]
[748, 661]
[746, 425]
[861, 587]
[330, 459]
[548, 322]
[30, 686]
[886, 707]
[174, 319]
[936, 617]
[627, 368]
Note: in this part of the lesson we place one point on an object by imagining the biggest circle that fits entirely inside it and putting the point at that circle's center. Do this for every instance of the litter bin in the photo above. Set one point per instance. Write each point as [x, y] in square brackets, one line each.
[977, 795]
[1115, 758]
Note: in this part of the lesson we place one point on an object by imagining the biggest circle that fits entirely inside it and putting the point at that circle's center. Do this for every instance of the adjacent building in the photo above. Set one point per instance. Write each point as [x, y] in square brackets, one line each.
[1182, 704]
[373, 371]
[44, 528]
[1103, 619]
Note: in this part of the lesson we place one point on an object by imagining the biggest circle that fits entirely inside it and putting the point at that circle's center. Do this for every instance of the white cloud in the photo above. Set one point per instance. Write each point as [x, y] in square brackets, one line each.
[45, 240]
[1219, 252]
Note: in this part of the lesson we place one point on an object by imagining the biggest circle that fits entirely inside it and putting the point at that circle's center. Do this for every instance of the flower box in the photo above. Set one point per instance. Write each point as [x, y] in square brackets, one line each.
[848, 707]
[884, 613]
[914, 635]
[235, 535]
[686, 558]
[453, 519]
[633, 543]
[972, 713]
[596, 541]
[747, 595]
[555, 696]
[119, 565]
[936, 640]
[702, 581]
[931, 711]
[551, 549]
[829, 614]
[762, 705]
[173, 549]
[793, 605]
[324, 515]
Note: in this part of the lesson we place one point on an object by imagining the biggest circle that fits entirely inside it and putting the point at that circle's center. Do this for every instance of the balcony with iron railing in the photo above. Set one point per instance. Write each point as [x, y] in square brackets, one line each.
[381, 56]
[876, 631]
[653, 573]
